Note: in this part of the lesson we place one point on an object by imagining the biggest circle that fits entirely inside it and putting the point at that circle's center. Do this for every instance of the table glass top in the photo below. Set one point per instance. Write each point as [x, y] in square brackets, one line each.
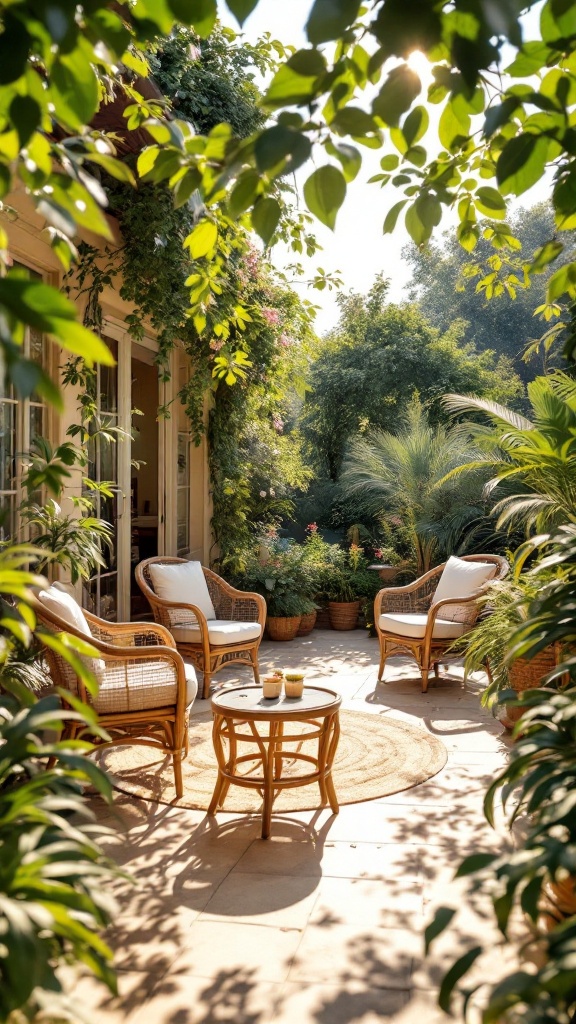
[249, 698]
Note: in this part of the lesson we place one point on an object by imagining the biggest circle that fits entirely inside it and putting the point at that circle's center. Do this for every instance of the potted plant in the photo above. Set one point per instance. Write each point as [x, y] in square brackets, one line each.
[504, 608]
[285, 611]
[349, 581]
[308, 620]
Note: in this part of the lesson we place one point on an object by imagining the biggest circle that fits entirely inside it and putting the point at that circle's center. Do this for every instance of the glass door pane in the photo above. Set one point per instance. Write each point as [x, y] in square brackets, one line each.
[101, 591]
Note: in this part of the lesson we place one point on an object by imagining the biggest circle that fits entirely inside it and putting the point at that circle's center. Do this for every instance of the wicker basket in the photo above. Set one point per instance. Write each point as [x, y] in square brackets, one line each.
[282, 628]
[307, 623]
[558, 902]
[527, 675]
[343, 614]
[322, 619]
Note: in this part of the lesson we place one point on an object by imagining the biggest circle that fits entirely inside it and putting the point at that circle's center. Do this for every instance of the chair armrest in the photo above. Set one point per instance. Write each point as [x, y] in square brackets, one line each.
[256, 610]
[122, 631]
[413, 597]
[436, 608]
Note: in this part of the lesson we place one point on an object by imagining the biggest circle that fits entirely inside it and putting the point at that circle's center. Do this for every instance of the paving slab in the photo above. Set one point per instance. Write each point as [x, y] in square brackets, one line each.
[322, 923]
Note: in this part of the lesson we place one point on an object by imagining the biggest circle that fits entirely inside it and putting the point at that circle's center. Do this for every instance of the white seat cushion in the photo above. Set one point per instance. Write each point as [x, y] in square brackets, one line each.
[220, 631]
[58, 601]
[462, 579]
[141, 685]
[413, 625]
[183, 582]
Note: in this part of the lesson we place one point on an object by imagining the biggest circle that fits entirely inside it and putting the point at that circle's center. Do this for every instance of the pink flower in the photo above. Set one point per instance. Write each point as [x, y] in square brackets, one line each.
[216, 345]
[271, 315]
[312, 528]
[284, 341]
[278, 424]
[378, 553]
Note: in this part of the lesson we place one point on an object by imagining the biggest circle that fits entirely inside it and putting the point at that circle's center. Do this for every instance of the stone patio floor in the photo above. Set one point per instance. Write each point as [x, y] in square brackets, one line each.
[323, 922]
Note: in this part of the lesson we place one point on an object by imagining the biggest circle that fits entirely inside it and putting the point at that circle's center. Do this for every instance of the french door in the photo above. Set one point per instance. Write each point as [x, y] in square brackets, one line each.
[127, 399]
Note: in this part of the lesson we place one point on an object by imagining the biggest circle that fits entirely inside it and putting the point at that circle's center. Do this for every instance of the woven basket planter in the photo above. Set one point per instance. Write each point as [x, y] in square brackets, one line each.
[307, 623]
[281, 628]
[343, 614]
[558, 902]
[322, 619]
[527, 675]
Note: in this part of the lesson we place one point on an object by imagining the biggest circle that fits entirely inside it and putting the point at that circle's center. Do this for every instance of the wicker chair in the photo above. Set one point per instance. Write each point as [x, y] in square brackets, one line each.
[145, 689]
[436, 633]
[231, 605]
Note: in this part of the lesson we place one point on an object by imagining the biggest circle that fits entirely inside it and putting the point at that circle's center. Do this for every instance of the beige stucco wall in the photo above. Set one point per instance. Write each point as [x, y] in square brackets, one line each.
[29, 244]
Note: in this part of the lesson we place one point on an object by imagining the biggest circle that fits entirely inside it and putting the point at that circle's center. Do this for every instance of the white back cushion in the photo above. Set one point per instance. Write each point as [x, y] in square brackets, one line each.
[57, 600]
[183, 582]
[461, 579]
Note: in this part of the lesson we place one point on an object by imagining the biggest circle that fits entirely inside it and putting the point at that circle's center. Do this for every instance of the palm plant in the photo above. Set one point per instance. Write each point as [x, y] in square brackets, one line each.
[405, 475]
[75, 542]
[532, 460]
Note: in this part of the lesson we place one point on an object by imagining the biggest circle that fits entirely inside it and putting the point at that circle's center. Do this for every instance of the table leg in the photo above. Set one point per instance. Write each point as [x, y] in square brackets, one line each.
[268, 767]
[278, 751]
[327, 744]
[222, 783]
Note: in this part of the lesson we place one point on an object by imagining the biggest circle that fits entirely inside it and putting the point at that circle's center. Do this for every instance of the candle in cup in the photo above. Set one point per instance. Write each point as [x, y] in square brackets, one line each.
[271, 687]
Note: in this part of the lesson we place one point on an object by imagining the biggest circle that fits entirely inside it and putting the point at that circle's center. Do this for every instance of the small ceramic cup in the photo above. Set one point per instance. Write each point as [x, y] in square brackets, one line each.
[271, 686]
[294, 684]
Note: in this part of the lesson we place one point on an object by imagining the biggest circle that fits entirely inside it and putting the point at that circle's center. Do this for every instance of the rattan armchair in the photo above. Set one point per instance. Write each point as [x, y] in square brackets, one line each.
[145, 689]
[412, 610]
[209, 653]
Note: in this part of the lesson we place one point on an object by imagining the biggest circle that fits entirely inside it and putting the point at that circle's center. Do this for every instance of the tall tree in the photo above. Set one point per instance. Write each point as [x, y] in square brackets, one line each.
[446, 283]
[377, 357]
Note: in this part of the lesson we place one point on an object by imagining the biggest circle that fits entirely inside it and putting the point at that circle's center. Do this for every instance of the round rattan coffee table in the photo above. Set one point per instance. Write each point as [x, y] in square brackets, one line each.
[238, 713]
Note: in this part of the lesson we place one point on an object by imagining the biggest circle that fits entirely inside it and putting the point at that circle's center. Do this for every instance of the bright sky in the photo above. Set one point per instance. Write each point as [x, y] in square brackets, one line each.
[357, 248]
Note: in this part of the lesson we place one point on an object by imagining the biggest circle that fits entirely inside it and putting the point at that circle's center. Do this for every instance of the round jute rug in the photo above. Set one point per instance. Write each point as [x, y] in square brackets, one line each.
[376, 756]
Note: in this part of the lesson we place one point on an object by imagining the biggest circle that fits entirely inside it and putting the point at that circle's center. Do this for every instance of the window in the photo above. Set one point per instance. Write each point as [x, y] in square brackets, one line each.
[21, 420]
[183, 469]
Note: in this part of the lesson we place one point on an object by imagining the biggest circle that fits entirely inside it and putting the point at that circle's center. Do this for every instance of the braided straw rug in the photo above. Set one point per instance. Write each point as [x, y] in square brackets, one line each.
[376, 756]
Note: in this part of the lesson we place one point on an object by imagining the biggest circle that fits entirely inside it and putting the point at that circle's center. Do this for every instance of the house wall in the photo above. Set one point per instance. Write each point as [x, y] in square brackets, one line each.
[29, 244]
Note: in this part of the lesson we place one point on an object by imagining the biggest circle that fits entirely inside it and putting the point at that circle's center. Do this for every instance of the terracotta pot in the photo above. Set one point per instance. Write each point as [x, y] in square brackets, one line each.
[527, 675]
[322, 619]
[307, 623]
[386, 572]
[343, 614]
[282, 628]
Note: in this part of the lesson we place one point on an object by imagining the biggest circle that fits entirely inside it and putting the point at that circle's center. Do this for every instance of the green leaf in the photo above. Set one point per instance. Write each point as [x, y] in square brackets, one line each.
[521, 163]
[533, 56]
[202, 239]
[14, 46]
[452, 977]
[288, 86]
[392, 217]
[329, 19]
[244, 192]
[324, 192]
[475, 862]
[265, 218]
[562, 282]
[389, 162]
[439, 923]
[543, 256]
[453, 127]
[490, 202]
[201, 14]
[353, 121]
[26, 115]
[416, 125]
[241, 9]
[281, 146]
[117, 168]
[397, 94]
[422, 217]
[349, 157]
[308, 63]
[74, 88]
